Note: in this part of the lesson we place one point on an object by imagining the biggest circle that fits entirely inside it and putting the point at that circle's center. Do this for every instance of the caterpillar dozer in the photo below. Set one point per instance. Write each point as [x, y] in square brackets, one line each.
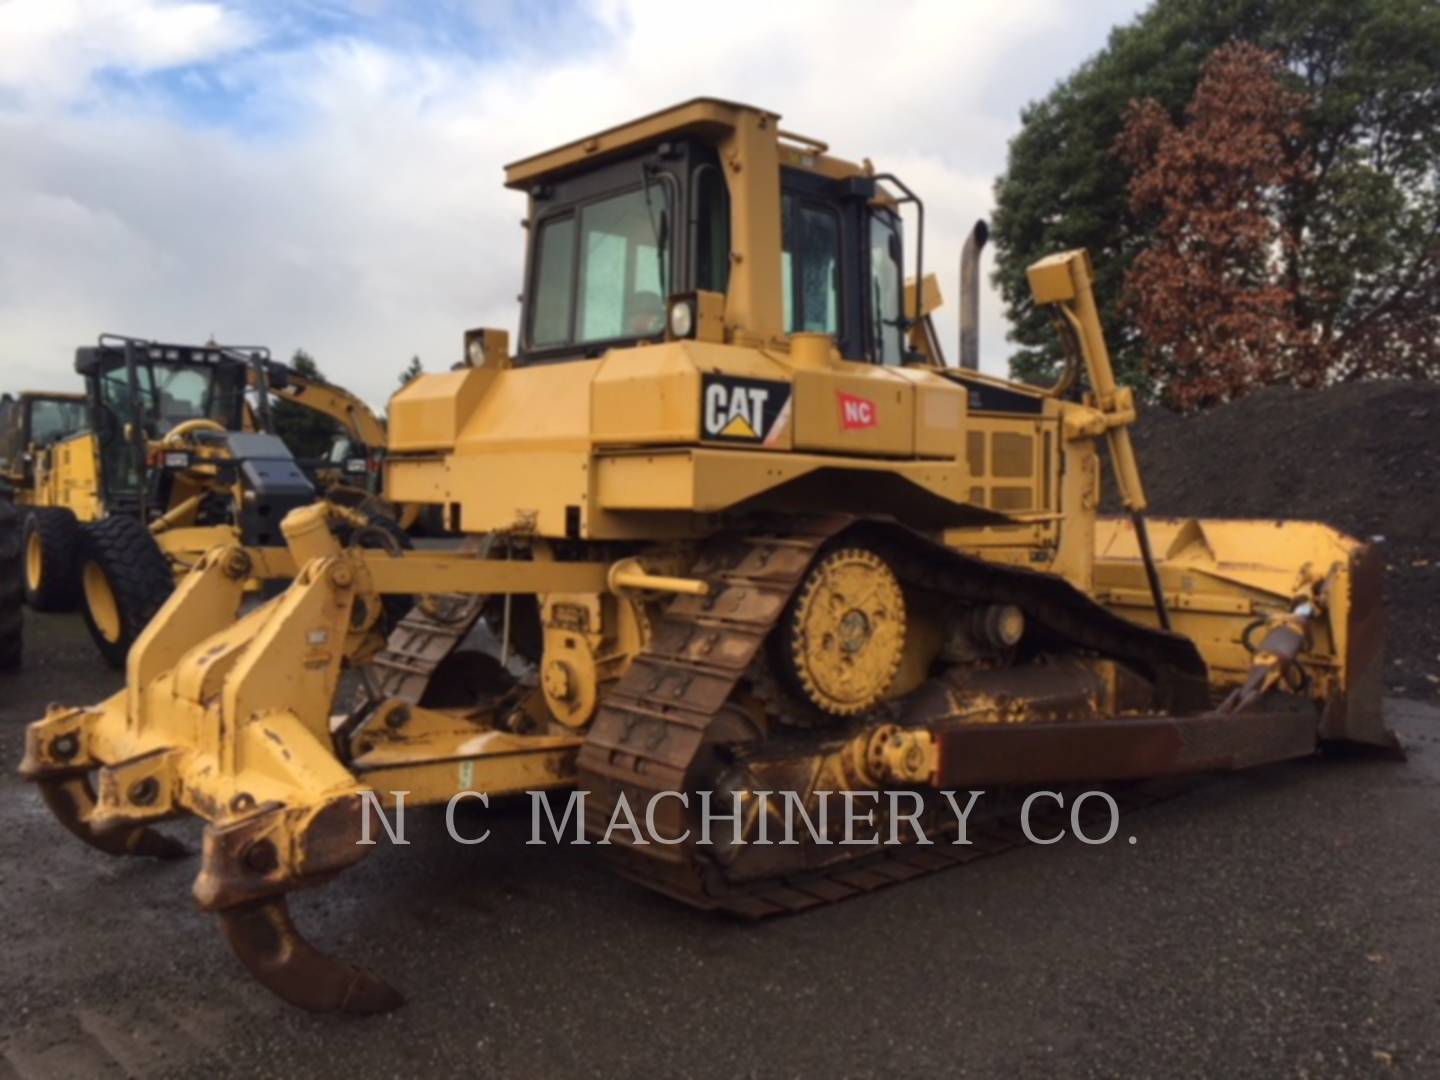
[749, 533]
[125, 487]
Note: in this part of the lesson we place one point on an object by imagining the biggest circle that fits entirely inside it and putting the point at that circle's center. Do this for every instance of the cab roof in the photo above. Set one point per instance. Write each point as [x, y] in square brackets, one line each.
[92, 358]
[709, 117]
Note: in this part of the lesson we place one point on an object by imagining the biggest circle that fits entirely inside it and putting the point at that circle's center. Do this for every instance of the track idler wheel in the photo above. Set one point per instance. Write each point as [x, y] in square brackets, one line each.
[264, 938]
[71, 799]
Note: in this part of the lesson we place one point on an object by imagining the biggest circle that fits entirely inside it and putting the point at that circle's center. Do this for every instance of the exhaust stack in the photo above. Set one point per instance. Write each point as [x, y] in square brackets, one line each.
[970, 296]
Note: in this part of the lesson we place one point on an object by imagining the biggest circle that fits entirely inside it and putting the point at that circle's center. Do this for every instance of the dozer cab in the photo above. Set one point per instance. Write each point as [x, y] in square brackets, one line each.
[158, 462]
[739, 529]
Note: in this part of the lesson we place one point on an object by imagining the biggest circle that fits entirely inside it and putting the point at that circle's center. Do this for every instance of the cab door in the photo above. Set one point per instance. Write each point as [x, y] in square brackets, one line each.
[850, 406]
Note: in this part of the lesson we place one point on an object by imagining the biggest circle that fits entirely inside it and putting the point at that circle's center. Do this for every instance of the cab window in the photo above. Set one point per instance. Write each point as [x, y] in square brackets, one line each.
[810, 266]
[9, 430]
[555, 283]
[712, 230]
[603, 271]
[886, 291]
[51, 420]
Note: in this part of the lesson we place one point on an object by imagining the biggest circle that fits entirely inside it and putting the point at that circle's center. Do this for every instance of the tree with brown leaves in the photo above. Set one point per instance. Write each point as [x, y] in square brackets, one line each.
[1363, 261]
[1212, 294]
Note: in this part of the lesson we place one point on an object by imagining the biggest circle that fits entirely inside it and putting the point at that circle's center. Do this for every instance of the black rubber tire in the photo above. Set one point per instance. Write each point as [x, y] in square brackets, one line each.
[137, 573]
[12, 589]
[59, 536]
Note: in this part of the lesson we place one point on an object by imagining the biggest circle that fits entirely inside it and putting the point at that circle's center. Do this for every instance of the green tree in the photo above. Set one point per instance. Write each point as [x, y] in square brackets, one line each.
[413, 371]
[1367, 271]
[307, 433]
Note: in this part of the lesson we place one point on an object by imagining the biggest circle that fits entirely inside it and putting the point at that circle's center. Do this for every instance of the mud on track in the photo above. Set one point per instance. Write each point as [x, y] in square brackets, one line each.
[1280, 923]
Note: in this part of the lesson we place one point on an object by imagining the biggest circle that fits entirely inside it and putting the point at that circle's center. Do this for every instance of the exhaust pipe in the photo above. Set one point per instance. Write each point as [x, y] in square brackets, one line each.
[970, 296]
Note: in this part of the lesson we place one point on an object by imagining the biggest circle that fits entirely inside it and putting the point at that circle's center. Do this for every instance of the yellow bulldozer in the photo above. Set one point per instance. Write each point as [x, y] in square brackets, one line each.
[126, 486]
[749, 534]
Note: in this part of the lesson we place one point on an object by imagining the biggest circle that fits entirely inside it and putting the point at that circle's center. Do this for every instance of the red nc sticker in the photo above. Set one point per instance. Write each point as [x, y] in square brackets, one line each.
[856, 412]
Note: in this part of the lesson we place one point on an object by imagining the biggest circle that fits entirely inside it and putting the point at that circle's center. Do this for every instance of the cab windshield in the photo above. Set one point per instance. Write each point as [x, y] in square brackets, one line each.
[601, 273]
[170, 394]
[52, 420]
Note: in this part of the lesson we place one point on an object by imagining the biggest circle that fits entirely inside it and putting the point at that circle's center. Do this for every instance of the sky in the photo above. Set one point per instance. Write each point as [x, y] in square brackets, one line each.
[326, 174]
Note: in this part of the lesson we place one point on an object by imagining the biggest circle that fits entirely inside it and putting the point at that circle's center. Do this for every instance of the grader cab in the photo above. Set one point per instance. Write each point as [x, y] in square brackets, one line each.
[161, 459]
[31, 423]
[733, 527]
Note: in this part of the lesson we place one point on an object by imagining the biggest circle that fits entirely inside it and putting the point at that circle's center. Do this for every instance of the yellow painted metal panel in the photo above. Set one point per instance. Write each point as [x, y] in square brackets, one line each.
[429, 413]
[705, 481]
[653, 393]
[854, 409]
[519, 491]
[417, 480]
[543, 405]
[940, 412]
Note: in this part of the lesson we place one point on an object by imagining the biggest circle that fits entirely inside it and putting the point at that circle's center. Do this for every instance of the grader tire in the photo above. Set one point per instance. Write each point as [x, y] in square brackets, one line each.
[51, 542]
[12, 593]
[124, 579]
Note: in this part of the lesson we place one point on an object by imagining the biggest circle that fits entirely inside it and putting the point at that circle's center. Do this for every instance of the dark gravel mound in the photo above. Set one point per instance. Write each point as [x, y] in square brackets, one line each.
[1363, 457]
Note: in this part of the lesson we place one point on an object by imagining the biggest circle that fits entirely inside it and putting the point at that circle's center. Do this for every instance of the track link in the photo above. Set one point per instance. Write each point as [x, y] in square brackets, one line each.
[419, 644]
[684, 713]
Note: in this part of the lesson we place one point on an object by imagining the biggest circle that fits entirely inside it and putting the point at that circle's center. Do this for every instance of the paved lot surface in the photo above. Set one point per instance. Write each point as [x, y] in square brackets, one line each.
[1285, 923]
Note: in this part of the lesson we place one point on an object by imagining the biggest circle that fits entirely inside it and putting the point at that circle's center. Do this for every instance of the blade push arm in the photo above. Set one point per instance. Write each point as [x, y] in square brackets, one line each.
[1066, 280]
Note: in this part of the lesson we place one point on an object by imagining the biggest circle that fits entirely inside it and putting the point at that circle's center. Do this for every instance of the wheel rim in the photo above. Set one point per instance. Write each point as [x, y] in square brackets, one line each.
[34, 562]
[100, 600]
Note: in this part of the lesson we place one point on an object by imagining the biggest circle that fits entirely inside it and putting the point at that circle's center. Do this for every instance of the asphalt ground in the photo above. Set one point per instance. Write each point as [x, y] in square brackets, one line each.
[1280, 923]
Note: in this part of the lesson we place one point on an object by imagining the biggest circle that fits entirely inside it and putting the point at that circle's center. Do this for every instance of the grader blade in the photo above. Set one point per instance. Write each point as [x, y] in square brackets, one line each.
[264, 938]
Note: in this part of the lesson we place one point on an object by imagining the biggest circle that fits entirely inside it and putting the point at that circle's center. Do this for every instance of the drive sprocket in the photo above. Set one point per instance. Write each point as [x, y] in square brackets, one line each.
[846, 631]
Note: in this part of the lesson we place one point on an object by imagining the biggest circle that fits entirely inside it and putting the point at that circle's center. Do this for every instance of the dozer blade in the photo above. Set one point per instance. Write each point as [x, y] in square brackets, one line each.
[1224, 582]
[264, 938]
[1130, 748]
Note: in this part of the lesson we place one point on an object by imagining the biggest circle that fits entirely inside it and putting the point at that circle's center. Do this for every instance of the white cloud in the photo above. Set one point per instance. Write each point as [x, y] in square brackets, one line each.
[358, 211]
[50, 49]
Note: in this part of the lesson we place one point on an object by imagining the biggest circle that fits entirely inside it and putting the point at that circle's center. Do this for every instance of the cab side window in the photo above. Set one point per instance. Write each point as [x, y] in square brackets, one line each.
[886, 290]
[712, 230]
[810, 266]
[10, 433]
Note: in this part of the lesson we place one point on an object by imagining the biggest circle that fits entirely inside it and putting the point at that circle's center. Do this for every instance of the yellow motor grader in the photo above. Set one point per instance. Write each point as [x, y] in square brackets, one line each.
[31, 423]
[751, 534]
[124, 488]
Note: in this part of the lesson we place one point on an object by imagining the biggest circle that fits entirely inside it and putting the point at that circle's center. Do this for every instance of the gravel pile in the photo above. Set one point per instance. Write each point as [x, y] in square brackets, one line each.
[1363, 457]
